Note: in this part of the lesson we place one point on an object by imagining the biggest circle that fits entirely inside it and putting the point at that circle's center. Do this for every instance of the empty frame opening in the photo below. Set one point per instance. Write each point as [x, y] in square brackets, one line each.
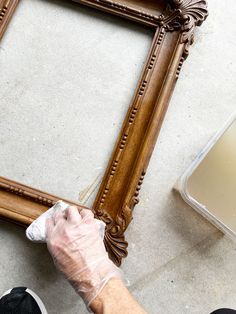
[68, 74]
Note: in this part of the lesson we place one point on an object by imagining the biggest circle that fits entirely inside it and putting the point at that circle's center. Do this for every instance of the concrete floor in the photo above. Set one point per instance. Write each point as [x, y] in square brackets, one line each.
[178, 262]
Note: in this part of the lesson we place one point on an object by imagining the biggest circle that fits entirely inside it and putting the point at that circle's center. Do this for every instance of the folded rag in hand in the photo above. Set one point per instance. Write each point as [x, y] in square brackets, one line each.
[36, 232]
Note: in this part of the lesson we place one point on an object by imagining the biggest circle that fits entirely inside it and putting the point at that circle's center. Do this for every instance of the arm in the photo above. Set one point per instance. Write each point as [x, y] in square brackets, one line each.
[79, 253]
[115, 298]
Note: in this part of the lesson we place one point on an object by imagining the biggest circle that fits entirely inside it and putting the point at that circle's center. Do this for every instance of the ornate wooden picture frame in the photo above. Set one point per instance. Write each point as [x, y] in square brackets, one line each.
[174, 22]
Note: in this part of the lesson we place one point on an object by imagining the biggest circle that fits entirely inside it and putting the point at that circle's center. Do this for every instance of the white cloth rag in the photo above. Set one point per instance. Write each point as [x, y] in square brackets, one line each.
[36, 232]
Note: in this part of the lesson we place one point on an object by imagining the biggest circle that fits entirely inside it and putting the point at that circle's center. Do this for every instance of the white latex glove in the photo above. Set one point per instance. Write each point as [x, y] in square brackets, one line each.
[79, 253]
[36, 232]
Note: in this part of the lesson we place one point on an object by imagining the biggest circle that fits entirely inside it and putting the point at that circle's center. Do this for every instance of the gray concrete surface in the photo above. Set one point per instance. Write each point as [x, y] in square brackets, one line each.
[61, 120]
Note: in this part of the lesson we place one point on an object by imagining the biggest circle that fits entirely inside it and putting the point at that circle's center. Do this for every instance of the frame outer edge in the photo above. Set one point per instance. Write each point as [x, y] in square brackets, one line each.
[7, 8]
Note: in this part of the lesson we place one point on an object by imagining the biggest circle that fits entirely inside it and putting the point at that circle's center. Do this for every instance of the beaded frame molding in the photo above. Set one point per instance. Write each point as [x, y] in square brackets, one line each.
[174, 22]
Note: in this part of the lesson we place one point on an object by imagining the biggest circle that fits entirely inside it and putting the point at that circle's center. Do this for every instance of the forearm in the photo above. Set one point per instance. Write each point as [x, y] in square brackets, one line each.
[115, 299]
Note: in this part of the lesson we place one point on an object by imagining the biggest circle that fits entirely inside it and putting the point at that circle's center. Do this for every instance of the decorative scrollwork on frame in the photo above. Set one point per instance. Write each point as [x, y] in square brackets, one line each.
[114, 239]
[184, 15]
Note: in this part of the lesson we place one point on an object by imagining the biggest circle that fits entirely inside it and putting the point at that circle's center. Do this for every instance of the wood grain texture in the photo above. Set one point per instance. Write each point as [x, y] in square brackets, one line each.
[23, 204]
[7, 8]
[119, 190]
[175, 22]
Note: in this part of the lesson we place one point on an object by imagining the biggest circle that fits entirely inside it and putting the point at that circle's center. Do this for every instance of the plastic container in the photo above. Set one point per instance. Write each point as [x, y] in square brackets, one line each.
[209, 184]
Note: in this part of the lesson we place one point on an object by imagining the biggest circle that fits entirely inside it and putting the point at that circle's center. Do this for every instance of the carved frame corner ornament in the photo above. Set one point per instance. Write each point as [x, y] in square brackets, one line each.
[119, 190]
[186, 16]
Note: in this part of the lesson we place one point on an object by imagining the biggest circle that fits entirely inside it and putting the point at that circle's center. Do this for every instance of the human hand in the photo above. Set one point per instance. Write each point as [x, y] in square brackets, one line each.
[79, 253]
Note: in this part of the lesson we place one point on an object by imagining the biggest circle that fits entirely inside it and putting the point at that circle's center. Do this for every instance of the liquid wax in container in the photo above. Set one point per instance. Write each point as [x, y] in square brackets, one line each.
[209, 184]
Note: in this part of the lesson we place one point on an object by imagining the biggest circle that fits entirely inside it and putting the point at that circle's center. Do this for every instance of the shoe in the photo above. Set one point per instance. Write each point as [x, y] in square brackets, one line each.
[21, 300]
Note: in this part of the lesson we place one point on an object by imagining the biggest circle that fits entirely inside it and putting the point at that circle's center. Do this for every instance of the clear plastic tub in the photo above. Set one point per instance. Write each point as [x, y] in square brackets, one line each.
[209, 184]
